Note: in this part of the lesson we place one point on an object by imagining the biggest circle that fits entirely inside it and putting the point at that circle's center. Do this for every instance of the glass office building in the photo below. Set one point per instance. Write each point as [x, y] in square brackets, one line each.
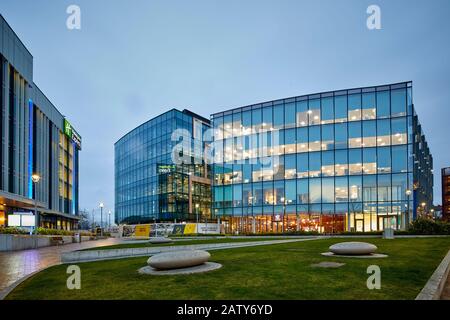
[149, 184]
[348, 160]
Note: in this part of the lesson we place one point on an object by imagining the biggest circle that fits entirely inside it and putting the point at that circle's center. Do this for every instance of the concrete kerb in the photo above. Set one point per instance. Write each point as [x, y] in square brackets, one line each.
[435, 285]
[98, 255]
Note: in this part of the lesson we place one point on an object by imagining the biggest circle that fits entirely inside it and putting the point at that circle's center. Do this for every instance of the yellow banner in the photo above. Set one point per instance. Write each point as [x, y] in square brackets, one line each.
[142, 230]
[190, 228]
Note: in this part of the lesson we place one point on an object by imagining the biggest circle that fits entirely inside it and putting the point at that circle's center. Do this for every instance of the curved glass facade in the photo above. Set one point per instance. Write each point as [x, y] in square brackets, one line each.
[348, 160]
[331, 162]
[148, 185]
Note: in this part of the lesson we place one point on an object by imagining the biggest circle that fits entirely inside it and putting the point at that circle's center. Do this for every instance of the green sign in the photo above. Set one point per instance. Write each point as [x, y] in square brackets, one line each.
[72, 134]
[162, 169]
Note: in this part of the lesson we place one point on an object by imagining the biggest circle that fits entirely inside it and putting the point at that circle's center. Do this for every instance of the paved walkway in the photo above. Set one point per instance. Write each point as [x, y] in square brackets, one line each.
[446, 292]
[18, 265]
[15, 265]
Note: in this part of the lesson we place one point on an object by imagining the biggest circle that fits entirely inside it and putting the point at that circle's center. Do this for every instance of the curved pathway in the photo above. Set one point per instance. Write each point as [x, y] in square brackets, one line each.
[15, 265]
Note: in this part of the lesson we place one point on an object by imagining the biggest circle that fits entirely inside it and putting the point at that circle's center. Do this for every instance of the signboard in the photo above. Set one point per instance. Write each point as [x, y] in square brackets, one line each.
[72, 134]
[208, 228]
[28, 221]
[167, 229]
[163, 168]
[14, 220]
[142, 230]
[21, 219]
[190, 228]
[178, 229]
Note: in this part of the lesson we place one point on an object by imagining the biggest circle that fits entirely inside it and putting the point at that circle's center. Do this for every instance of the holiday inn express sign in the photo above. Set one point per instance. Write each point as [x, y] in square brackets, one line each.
[72, 134]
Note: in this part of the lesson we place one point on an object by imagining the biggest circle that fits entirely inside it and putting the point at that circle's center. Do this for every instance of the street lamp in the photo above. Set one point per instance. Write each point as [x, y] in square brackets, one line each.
[35, 178]
[197, 206]
[101, 205]
[283, 200]
[408, 194]
[109, 219]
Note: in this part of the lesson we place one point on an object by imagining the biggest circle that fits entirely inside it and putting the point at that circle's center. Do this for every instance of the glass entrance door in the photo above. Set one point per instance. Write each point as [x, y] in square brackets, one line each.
[359, 225]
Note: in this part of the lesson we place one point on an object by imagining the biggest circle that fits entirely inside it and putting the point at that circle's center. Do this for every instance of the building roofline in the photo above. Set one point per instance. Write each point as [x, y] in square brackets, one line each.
[185, 111]
[310, 94]
[17, 36]
[45, 96]
[142, 124]
[195, 115]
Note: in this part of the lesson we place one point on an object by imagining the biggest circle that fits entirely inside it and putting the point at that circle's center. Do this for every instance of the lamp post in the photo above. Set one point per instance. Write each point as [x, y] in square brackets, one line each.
[101, 205]
[197, 206]
[408, 194]
[109, 219]
[283, 200]
[206, 224]
[35, 178]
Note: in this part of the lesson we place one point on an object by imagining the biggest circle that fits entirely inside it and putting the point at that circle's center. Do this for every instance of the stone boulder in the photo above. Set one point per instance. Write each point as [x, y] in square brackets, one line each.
[353, 248]
[178, 259]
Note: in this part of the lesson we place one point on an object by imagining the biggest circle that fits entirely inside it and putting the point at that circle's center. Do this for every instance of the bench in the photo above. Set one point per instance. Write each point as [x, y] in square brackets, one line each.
[55, 241]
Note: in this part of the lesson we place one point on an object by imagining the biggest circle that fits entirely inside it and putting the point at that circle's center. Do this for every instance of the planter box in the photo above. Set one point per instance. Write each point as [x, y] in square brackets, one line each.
[15, 242]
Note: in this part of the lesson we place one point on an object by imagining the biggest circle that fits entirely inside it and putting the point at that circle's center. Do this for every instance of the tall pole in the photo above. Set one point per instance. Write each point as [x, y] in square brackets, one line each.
[35, 179]
[196, 213]
[36, 220]
[101, 218]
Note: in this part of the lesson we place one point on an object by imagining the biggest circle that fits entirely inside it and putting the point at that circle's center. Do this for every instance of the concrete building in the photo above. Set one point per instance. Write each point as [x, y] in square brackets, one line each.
[35, 139]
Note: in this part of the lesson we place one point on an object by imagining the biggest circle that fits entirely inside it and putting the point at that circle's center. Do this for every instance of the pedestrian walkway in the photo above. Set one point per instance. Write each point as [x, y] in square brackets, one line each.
[15, 265]
[446, 292]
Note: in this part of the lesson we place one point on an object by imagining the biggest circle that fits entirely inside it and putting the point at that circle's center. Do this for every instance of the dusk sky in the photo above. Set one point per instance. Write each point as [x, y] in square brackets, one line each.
[133, 60]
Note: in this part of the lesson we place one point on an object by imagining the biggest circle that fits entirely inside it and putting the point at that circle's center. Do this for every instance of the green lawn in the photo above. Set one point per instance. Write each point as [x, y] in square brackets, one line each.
[181, 243]
[281, 271]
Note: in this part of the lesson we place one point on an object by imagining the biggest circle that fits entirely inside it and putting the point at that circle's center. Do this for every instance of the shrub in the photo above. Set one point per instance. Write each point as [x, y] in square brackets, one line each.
[12, 230]
[429, 227]
[44, 231]
[54, 232]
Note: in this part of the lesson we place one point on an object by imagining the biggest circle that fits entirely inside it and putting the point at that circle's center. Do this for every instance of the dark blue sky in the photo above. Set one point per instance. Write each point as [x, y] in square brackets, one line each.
[132, 60]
